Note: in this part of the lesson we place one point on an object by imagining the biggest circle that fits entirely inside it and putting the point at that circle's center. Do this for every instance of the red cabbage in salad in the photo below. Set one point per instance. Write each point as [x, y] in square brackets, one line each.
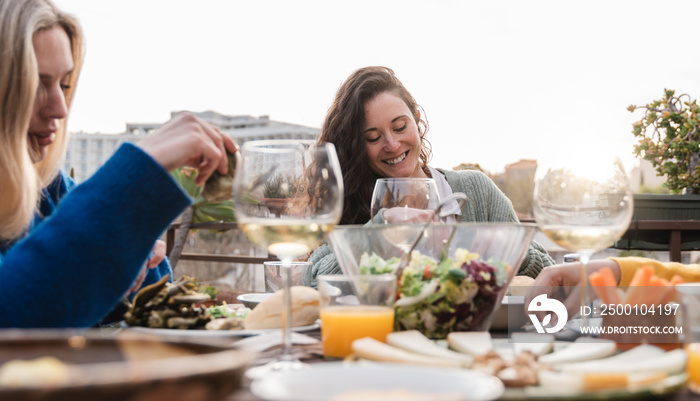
[439, 297]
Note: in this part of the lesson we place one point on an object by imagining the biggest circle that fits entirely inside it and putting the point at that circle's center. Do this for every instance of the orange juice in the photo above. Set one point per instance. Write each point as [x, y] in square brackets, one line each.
[693, 366]
[341, 325]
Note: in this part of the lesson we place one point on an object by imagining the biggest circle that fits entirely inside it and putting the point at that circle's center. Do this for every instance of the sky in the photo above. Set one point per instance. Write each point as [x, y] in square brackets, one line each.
[499, 80]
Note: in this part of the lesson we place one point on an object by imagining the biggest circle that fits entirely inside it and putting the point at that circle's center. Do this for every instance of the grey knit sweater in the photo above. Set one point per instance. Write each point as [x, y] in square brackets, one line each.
[486, 203]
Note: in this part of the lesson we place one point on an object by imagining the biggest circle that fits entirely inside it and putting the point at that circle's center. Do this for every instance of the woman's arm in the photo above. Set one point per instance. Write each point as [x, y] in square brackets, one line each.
[77, 264]
[323, 261]
[629, 265]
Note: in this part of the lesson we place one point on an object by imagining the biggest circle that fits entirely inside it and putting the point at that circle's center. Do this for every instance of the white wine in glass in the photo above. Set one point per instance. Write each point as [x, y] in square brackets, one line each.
[288, 196]
[403, 197]
[583, 209]
[403, 201]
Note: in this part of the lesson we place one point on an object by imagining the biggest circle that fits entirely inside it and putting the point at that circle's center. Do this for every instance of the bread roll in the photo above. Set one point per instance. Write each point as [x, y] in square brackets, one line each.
[306, 303]
[520, 285]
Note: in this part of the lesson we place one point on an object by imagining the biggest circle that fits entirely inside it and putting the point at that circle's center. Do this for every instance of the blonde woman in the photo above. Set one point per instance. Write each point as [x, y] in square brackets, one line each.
[68, 255]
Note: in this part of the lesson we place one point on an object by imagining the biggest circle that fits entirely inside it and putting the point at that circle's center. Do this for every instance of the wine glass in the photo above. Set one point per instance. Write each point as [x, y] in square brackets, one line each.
[404, 200]
[583, 208]
[403, 196]
[288, 195]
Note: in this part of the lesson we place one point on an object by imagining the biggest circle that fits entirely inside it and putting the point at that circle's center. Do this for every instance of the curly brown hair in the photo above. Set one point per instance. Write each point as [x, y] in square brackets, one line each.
[343, 128]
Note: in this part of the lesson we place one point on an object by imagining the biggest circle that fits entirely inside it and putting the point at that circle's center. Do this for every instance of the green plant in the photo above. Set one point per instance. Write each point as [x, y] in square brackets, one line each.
[201, 210]
[635, 253]
[281, 186]
[659, 189]
[669, 139]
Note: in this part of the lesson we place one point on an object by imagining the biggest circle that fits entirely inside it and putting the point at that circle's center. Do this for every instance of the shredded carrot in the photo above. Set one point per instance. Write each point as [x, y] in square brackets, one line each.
[646, 288]
[604, 284]
[658, 287]
[598, 283]
[608, 276]
[671, 292]
[641, 276]
[638, 286]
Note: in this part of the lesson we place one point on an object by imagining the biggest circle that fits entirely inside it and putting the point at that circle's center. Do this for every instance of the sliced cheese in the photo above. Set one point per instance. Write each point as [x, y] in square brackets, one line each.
[639, 353]
[604, 381]
[415, 341]
[669, 363]
[538, 344]
[470, 342]
[638, 380]
[369, 348]
[583, 349]
[580, 381]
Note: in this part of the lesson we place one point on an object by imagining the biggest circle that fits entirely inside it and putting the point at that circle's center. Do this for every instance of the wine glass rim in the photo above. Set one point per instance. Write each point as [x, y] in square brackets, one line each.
[362, 227]
[263, 143]
[385, 277]
[407, 179]
[294, 263]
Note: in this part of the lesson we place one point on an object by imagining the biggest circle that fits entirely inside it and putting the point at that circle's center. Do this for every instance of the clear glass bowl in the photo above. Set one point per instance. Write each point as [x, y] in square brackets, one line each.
[457, 275]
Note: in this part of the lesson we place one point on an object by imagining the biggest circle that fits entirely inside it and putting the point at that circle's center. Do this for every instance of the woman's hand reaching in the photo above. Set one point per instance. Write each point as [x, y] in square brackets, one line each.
[563, 282]
[157, 256]
[188, 141]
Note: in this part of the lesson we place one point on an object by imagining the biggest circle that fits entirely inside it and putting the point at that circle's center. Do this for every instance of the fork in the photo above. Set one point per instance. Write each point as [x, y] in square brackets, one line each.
[461, 198]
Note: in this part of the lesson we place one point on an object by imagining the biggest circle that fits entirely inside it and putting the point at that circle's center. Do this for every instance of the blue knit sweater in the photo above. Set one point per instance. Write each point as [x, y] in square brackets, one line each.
[85, 252]
[51, 196]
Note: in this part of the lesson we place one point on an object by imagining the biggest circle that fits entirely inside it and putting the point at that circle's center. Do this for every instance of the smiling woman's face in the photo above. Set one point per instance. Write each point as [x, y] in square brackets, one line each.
[55, 64]
[392, 139]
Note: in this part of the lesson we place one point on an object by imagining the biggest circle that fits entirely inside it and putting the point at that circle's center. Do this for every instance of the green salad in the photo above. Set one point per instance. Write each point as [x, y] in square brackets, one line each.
[439, 297]
[219, 311]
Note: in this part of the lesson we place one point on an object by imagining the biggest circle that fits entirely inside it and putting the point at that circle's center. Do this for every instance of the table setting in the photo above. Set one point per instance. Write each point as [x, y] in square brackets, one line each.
[425, 308]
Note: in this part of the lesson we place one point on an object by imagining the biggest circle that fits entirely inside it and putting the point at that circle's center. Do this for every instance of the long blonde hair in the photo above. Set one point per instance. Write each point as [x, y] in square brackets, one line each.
[21, 181]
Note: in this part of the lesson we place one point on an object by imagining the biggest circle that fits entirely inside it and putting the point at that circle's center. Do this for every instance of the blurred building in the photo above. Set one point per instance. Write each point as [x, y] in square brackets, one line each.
[88, 152]
[468, 166]
[517, 182]
[644, 178]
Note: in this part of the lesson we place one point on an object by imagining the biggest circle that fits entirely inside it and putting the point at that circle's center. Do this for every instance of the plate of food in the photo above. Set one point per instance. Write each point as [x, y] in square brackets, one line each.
[536, 366]
[53, 365]
[195, 333]
[344, 381]
[175, 309]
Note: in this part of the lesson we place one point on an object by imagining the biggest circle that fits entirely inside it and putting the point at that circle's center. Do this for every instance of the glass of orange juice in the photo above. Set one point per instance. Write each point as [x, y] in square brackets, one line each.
[353, 307]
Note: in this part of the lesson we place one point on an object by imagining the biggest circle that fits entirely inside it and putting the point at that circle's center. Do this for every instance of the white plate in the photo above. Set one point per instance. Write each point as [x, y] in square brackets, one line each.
[319, 383]
[250, 300]
[175, 333]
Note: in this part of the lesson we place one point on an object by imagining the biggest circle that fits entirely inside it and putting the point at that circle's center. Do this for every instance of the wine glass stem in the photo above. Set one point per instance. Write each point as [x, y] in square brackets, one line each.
[584, 258]
[287, 309]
